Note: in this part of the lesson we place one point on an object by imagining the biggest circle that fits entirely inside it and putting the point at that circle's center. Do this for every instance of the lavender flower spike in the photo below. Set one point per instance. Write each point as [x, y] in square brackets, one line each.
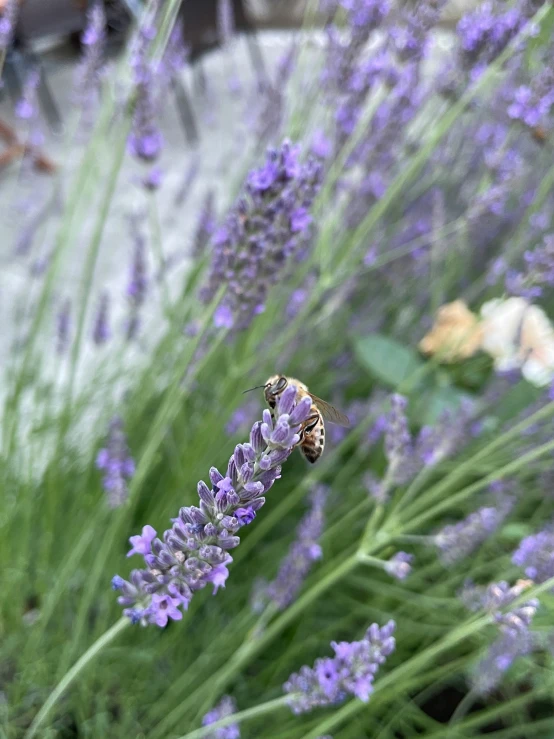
[146, 140]
[457, 541]
[304, 551]
[225, 707]
[350, 672]
[515, 637]
[536, 555]
[398, 441]
[117, 464]
[194, 551]
[87, 83]
[264, 231]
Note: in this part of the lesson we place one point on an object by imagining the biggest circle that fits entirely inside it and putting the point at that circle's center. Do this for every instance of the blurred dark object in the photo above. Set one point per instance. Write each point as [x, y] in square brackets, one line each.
[39, 18]
[15, 150]
[200, 24]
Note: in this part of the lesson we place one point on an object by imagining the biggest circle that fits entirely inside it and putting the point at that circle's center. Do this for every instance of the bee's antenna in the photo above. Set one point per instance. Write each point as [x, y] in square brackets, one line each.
[253, 388]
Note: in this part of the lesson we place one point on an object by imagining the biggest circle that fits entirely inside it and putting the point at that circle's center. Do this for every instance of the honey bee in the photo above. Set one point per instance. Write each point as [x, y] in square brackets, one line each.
[312, 433]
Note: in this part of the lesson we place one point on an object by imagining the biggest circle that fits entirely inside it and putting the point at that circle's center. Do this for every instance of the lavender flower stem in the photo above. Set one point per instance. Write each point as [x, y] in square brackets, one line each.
[107, 637]
[157, 248]
[90, 264]
[236, 718]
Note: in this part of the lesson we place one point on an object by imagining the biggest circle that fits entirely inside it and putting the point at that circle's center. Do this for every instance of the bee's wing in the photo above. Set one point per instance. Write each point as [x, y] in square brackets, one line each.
[329, 412]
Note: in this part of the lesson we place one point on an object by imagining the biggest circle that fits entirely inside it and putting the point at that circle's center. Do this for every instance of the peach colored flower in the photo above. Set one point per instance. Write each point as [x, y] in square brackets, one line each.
[456, 333]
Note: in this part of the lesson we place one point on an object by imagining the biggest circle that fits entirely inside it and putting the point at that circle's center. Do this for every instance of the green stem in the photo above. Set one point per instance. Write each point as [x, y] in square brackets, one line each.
[437, 491]
[414, 523]
[367, 559]
[237, 718]
[76, 670]
[157, 245]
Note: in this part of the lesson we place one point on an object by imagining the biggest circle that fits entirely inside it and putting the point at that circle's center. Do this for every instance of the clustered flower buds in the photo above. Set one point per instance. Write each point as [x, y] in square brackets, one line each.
[350, 672]
[195, 550]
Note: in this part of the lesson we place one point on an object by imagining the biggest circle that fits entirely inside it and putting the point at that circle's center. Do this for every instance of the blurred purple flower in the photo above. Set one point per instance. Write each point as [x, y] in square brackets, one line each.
[399, 566]
[7, 24]
[101, 331]
[145, 140]
[298, 561]
[398, 441]
[225, 707]
[457, 541]
[63, 322]
[205, 226]
[27, 106]
[261, 234]
[119, 467]
[536, 555]
[137, 285]
[350, 672]
[193, 552]
[513, 623]
[87, 80]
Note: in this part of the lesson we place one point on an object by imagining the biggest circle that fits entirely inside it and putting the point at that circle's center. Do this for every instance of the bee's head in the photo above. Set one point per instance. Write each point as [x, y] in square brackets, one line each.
[273, 388]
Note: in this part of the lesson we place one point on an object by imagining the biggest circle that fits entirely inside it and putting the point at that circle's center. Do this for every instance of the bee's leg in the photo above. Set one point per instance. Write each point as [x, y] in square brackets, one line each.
[308, 425]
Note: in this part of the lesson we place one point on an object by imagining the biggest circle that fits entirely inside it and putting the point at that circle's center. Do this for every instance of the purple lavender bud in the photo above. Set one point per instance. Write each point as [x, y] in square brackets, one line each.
[399, 566]
[457, 541]
[191, 554]
[118, 467]
[536, 555]
[225, 707]
[117, 582]
[101, 332]
[303, 552]
[351, 671]
[63, 322]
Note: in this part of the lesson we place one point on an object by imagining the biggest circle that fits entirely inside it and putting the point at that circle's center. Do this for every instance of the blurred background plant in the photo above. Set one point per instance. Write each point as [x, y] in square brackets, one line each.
[375, 167]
